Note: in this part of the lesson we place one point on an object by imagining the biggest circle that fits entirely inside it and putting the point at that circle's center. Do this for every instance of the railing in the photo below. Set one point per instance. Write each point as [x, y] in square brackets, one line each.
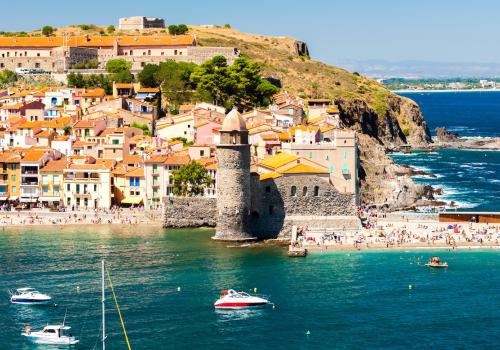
[81, 179]
[29, 183]
[29, 172]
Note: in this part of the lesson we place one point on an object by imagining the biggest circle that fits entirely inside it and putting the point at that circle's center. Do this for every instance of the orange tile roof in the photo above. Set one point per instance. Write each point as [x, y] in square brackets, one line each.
[97, 41]
[85, 124]
[304, 169]
[139, 172]
[9, 157]
[13, 106]
[177, 160]
[124, 86]
[89, 167]
[33, 155]
[132, 158]
[54, 166]
[148, 90]
[94, 93]
[43, 133]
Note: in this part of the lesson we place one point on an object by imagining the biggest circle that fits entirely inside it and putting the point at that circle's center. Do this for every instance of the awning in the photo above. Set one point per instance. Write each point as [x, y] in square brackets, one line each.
[49, 199]
[28, 200]
[131, 200]
[4, 198]
[13, 198]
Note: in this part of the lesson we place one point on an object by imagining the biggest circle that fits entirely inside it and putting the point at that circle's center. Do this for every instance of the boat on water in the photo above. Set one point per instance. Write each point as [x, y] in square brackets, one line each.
[436, 262]
[230, 299]
[51, 335]
[29, 296]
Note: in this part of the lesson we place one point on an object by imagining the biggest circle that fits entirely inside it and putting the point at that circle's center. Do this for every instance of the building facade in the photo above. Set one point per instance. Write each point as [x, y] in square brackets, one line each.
[140, 22]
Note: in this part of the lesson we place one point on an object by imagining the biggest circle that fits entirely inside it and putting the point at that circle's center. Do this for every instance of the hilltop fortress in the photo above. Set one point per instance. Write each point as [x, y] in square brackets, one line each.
[57, 54]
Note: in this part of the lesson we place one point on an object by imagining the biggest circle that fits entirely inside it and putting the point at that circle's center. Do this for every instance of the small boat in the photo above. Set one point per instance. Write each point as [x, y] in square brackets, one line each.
[53, 335]
[436, 262]
[230, 299]
[29, 296]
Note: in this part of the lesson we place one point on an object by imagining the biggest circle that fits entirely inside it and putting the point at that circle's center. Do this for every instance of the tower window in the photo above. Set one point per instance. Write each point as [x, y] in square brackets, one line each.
[293, 191]
[316, 191]
[304, 191]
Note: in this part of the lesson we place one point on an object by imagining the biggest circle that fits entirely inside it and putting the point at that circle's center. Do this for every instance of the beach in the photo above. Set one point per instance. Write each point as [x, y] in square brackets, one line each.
[45, 217]
[404, 231]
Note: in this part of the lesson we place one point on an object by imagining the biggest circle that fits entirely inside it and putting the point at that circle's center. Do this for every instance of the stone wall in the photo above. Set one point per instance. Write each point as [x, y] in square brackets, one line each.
[275, 207]
[190, 212]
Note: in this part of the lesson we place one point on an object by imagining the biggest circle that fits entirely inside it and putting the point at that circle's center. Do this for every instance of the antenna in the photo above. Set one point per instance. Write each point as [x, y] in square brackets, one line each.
[64, 319]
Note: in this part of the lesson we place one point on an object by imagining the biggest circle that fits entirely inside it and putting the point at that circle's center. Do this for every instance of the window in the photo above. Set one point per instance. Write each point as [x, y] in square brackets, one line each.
[268, 189]
[202, 153]
[13, 189]
[37, 65]
[345, 169]
[175, 52]
[137, 181]
[45, 179]
[77, 188]
[346, 154]
[115, 142]
[68, 201]
[56, 180]
[45, 189]
[293, 191]
[304, 191]
[68, 187]
[95, 188]
[310, 155]
[131, 184]
[327, 158]
[155, 168]
[38, 54]
[330, 169]
[56, 190]
[13, 178]
[316, 191]
[13, 167]
[149, 52]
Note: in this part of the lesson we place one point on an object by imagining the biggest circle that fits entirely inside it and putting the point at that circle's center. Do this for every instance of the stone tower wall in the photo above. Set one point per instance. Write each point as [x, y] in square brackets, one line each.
[233, 192]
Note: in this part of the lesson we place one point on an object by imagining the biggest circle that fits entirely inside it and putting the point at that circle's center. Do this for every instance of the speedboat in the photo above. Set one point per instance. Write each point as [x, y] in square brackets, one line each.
[54, 335]
[436, 262]
[230, 299]
[29, 296]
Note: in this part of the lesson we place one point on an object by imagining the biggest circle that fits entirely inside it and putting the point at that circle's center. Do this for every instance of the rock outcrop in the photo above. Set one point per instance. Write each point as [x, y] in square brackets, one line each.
[443, 135]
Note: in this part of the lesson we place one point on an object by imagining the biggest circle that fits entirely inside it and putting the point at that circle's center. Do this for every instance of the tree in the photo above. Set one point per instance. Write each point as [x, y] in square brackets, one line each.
[190, 180]
[118, 65]
[48, 30]
[76, 80]
[147, 77]
[7, 77]
[67, 130]
[111, 29]
[177, 29]
[227, 25]
[182, 29]
[143, 127]
[120, 70]
[237, 85]
[174, 78]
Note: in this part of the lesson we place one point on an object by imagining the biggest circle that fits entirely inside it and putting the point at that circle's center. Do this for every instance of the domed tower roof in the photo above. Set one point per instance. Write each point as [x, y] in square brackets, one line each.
[234, 122]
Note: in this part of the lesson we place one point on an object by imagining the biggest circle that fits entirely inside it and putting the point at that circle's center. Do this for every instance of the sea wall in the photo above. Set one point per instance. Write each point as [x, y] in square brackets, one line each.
[190, 212]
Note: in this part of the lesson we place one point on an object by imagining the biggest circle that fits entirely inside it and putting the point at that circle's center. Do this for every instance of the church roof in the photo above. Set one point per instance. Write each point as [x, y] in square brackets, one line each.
[234, 122]
[278, 160]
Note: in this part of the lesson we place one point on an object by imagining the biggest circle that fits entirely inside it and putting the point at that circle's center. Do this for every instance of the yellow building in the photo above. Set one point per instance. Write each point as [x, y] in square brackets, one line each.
[51, 184]
[9, 176]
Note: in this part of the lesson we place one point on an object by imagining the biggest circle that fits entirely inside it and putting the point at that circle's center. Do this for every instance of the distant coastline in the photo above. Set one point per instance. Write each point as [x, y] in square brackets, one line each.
[406, 91]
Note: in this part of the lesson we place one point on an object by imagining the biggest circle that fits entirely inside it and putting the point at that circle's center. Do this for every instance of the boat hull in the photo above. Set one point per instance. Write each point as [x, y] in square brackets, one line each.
[25, 301]
[239, 306]
[38, 339]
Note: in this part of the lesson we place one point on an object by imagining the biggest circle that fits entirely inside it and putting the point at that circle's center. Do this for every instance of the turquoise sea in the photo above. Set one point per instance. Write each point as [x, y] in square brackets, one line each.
[357, 300]
[469, 178]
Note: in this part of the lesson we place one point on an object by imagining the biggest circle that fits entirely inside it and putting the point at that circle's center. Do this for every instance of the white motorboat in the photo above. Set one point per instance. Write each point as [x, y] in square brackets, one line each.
[53, 335]
[29, 296]
[230, 299]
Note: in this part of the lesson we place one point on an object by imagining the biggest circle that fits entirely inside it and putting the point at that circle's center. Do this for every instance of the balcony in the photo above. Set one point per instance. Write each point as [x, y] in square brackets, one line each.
[73, 178]
[81, 195]
[29, 172]
[29, 183]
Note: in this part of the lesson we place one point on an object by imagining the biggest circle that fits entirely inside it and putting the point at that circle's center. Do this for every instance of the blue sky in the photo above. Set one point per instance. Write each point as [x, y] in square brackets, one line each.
[434, 30]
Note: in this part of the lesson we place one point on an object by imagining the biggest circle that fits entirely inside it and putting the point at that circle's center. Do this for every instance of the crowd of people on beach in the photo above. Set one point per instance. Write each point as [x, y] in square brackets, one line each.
[381, 231]
[114, 215]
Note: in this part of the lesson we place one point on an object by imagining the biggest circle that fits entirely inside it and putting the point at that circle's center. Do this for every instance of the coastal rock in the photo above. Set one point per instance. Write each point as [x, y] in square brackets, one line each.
[443, 135]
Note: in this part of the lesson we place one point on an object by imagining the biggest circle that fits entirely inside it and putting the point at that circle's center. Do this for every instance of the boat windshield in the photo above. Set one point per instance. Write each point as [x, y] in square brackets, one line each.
[27, 290]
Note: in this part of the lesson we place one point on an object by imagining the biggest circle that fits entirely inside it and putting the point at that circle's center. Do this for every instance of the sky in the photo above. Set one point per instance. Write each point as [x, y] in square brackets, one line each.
[336, 31]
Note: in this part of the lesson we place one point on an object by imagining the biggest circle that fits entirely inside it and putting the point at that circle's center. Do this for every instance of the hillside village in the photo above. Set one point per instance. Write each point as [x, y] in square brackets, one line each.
[65, 147]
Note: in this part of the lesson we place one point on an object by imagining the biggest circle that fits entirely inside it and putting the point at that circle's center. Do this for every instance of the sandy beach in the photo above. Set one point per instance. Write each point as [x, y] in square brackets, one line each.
[405, 232]
[44, 217]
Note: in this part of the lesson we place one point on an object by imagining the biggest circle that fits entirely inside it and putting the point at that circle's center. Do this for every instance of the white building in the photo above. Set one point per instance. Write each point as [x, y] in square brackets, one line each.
[87, 186]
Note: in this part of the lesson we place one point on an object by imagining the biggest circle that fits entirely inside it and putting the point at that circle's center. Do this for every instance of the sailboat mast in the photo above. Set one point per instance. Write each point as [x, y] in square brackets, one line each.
[103, 311]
